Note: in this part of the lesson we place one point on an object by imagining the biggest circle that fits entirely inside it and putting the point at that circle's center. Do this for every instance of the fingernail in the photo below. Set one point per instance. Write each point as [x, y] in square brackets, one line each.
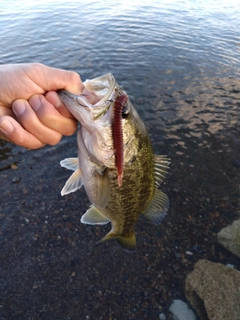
[6, 127]
[19, 107]
[35, 102]
[57, 101]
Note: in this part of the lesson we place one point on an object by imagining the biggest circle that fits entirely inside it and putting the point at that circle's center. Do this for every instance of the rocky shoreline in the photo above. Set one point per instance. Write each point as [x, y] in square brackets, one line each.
[212, 289]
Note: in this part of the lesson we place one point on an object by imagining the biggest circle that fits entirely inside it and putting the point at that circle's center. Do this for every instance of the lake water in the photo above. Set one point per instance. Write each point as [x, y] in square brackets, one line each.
[179, 61]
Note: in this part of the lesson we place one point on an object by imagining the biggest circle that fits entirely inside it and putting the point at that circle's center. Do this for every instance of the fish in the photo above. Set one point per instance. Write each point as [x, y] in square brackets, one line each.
[115, 163]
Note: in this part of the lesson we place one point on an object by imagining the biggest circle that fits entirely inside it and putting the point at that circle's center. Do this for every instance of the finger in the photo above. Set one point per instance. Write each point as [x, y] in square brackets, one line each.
[29, 120]
[5, 111]
[12, 131]
[54, 79]
[54, 99]
[50, 117]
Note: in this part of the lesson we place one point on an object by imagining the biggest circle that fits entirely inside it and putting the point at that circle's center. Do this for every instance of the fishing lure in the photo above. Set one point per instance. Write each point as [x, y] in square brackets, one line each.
[118, 134]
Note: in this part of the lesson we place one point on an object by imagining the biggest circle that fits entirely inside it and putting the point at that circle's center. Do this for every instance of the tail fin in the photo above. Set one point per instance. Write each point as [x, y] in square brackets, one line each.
[128, 243]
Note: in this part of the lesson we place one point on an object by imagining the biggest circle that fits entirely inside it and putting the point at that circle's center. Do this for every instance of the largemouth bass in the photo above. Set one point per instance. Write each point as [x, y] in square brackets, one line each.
[115, 163]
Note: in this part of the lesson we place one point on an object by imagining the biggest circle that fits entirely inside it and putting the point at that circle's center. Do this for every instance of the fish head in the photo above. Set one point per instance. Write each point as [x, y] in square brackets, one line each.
[96, 111]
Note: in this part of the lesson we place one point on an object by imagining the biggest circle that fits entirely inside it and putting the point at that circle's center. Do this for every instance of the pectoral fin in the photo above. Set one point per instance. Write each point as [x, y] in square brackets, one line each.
[73, 183]
[70, 164]
[94, 216]
[157, 208]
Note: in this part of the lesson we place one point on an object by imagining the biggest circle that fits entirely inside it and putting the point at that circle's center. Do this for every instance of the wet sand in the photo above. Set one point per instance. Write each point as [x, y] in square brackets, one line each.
[51, 267]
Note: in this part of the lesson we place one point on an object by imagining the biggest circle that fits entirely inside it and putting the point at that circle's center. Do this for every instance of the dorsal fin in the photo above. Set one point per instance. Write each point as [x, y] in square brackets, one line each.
[157, 209]
[161, 165]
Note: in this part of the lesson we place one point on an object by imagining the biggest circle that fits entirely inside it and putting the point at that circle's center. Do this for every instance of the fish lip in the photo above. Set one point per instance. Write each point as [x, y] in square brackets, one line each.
[68, 95]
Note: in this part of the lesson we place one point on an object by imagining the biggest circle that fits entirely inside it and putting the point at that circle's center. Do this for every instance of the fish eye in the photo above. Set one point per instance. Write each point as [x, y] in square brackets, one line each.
[125, 112]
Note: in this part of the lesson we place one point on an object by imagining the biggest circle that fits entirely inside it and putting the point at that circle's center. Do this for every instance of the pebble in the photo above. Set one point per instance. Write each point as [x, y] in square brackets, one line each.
[197, 249]
[16, 180]
[162, 316]
[180, 311]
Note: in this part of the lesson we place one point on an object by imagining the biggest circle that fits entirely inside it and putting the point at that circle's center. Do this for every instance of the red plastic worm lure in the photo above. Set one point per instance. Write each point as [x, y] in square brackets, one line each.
[118, 134]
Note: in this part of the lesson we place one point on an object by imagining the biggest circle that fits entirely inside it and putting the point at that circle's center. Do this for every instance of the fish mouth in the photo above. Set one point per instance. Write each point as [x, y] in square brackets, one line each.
[96, 92]
[99, 110]
[102, 87]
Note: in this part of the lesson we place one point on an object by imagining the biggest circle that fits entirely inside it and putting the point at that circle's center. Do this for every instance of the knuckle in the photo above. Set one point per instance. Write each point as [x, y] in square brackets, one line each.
[55, 140]
[27, 142]
[71, 131]
[36, 146]
[37, 66]
[74, 77]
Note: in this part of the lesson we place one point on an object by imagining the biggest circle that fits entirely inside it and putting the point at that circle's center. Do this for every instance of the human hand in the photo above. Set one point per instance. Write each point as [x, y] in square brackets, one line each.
[31, 113]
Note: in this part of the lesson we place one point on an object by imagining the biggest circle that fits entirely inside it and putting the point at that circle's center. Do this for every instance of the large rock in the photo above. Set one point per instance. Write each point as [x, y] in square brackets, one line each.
[214, 291]
[229, 238]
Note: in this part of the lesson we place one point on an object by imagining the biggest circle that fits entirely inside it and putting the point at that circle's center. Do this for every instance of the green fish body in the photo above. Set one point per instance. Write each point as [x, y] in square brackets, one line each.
[115, 198]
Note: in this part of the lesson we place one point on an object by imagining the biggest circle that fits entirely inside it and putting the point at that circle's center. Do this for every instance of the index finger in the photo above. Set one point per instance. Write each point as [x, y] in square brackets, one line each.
[54, 79]
[54, 99]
